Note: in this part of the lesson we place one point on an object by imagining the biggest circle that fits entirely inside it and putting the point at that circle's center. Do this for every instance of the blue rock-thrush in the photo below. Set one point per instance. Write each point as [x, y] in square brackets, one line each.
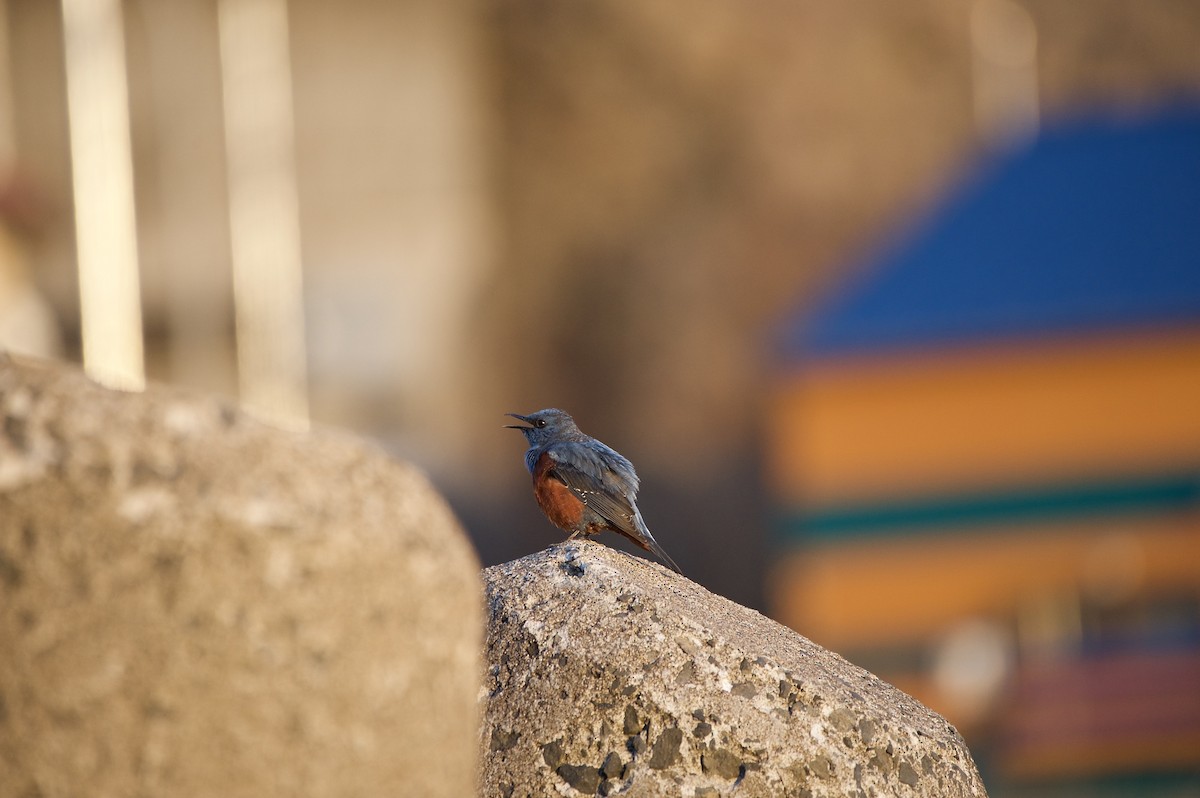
[583, 486]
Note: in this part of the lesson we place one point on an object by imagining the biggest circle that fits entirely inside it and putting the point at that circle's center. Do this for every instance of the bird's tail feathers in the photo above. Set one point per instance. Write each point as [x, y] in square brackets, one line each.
[648, 542]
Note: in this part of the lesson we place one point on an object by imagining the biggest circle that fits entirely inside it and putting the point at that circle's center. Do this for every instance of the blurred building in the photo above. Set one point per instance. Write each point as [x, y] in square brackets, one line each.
[386, 139]
[488, 207]
[986, 456]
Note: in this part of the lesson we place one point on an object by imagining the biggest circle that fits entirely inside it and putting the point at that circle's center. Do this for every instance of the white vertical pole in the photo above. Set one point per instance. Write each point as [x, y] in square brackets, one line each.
[102, 173]
[1004, 49]
[264, 208]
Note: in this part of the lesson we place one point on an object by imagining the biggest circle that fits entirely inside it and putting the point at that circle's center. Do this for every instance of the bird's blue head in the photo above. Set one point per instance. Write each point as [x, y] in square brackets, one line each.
[545, 427]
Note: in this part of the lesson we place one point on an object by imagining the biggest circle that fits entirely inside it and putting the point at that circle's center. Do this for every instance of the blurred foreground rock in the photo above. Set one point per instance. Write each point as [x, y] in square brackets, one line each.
[193, 603]
[611, 675]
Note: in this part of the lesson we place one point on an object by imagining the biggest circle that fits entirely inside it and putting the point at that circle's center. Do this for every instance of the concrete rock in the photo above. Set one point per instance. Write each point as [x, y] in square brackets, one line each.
[610, 675]
[194, 603]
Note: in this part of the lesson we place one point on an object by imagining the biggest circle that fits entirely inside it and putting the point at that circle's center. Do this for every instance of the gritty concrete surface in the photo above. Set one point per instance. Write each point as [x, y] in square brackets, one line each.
[196, 604]
[610, 675]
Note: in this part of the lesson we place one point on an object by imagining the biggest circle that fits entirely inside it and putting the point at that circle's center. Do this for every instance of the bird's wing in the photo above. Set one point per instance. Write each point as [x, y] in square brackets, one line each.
[602, 479]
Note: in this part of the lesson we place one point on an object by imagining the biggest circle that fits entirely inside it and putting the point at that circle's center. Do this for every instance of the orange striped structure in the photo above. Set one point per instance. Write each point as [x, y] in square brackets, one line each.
[986, 461]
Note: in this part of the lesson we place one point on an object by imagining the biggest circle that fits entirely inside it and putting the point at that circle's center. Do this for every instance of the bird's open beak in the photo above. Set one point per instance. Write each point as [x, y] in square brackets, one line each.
[519, 418]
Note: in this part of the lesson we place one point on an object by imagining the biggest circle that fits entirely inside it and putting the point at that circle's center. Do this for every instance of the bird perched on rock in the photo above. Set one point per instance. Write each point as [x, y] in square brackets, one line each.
[583, 486]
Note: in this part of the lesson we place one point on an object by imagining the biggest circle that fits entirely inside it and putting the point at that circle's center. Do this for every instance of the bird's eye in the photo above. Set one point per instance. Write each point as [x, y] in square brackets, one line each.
[541, 422]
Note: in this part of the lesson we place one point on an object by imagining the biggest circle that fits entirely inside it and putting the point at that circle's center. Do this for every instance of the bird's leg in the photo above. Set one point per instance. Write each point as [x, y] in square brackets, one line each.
[574, 535]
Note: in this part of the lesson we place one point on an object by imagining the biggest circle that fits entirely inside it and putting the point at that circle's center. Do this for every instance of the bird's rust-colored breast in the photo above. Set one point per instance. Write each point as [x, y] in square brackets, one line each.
[561, 506]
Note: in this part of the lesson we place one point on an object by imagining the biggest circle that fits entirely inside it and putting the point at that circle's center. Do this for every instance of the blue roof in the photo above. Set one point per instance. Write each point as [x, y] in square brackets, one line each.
[1095, 226]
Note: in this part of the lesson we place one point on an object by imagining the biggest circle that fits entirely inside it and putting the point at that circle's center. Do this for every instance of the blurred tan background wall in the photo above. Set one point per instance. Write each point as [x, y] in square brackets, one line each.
[599, 206]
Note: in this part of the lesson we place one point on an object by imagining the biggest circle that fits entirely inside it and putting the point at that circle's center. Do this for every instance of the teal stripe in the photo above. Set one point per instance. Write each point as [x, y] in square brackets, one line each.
[1035, 504]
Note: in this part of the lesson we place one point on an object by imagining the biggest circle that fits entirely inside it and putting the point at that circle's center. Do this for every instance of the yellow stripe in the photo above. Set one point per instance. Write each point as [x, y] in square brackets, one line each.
[969, 420]
[870, 593]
